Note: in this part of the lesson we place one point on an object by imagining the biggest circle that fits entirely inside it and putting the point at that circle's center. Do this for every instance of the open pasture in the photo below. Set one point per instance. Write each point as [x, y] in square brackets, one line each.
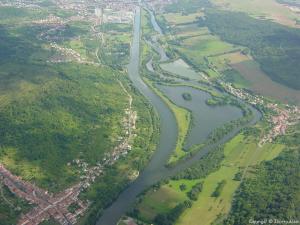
[223, 61]
[266, 9]
[179, 18]
[262, 84]
[190, 30]
[160, 201]
[240, 153]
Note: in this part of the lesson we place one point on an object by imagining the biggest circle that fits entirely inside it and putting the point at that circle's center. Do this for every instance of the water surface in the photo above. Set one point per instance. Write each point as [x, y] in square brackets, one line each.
[181, 68]
[205, 118]
[155, 170]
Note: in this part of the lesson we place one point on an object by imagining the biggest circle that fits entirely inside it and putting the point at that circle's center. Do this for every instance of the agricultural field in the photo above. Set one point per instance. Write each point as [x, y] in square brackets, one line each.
[261, 83]
[79, 137]
[162, 200]
[175, 19]
[198, 46]
[267, 9]
[263, 38]
[205, 45]
[241, 155]
[210, 49]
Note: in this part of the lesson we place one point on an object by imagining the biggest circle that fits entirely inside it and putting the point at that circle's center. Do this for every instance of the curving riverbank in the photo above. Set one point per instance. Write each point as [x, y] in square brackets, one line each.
[156, 170]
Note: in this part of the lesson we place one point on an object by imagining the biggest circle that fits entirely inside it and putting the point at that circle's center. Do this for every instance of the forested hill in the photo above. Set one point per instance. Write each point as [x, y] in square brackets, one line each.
[275, 47]
[269, 194]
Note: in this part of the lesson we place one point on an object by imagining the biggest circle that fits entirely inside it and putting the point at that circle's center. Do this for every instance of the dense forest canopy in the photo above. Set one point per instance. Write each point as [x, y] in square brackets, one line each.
[269, 195]
[275, 47]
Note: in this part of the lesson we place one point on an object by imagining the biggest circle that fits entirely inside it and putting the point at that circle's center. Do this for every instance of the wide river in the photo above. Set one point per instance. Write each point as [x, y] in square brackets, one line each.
[155, 170]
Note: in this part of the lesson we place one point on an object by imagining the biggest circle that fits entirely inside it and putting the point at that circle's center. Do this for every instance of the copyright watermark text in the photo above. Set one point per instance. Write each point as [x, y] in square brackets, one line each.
[273, 221]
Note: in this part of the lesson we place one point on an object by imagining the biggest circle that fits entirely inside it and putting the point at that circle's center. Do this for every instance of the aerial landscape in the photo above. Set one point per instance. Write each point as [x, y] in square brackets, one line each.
[149, 112]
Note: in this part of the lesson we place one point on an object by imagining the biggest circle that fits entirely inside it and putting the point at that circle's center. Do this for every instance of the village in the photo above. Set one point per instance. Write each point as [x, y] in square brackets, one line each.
[47, 205]
[57, 206]
[279, 122]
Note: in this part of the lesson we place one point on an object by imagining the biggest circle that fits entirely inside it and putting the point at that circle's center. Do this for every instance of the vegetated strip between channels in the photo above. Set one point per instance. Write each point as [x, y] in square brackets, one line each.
[156, 170]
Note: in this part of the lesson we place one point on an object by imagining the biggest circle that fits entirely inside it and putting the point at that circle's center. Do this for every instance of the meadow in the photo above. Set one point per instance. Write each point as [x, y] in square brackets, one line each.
[197, 46]
[270, 193]
[183, 119]
[261, 83]
[240, 153]
[267, 9]
[240, 156]
[179, 18]
[235, 182]
[275, 47]
[234, 58]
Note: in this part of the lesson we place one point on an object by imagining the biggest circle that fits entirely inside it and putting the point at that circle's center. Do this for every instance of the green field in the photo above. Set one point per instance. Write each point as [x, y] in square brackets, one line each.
[267, 9]
[179, 18]
[259, 82]
[275, 47]
[234, 77]
[164, 199]
[183, 119]
[199, 48]
[240, 153]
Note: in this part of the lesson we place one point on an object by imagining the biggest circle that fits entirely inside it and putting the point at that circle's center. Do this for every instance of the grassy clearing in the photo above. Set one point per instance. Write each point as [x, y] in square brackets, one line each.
[222, 62]
[240, 152]
[199, 47]
[234, 77]
[179, 18]
[160, 201]
[164, 199]
[115, 46]
[205, 46]
[188, 30]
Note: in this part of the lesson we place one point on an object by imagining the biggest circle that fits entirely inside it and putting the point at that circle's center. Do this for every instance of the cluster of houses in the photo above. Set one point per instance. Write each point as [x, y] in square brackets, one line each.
[116, 15]
[159, 5]
[280, 121]
[67, 55]
[57, 206]
[89, 174]
[46, 204]
[31, 4]
[240, 93]
[283, 118]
